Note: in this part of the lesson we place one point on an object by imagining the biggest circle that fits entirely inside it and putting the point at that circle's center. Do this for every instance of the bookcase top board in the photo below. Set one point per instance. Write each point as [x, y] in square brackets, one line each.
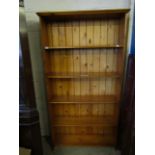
[83, 14]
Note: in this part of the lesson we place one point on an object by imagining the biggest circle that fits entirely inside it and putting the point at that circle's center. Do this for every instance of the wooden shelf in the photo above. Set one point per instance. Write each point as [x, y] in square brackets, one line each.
[83, 75]
[47, 48]
[78, 125]
[74, 120]
[82, 99]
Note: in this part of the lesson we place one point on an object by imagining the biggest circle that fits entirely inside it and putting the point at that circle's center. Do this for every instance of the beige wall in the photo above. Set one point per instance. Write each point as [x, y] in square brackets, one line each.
[48, 5]
[33, 6]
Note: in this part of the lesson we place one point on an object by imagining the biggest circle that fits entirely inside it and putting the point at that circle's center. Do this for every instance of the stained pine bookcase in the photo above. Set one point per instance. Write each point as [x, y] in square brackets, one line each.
[84, 58]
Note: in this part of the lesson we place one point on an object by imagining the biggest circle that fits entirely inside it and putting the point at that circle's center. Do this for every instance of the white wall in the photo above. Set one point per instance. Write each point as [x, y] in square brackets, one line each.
[48, 5]
[33, 6]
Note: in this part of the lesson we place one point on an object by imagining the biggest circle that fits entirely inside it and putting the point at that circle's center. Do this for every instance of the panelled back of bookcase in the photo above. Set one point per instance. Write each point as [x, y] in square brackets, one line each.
[83, 61]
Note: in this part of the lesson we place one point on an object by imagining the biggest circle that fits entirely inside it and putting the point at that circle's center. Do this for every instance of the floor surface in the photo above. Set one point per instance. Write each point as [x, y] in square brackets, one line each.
[72, 150]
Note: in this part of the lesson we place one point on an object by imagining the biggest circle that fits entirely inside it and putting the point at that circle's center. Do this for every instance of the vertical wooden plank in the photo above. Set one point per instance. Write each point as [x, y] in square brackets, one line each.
[66, 109]
[77, 86]
[55, 34]
[96, 57]
[89, 32]
[116, 31]
[90, 40]
[103, 52]
[83, 33]
[72, 109]
[108, 86]
[69, 53]
[84, 108]
[49, 33]
[111, 39]
[56, 58]
[97, 32]
[64, 87]
[113, 88]
[83, 61]
[95, 110]
[83, 55]
[50, 55]
[50, 89]
[63, 59]
[102, 81]
[72, 130]
[84, 83]
[100, 131]
[69, 34]
[70, 71]
[84, 91]
[76, 55]
[69, 43]
[76, 61]
[58, 87]
[62, 42]
[62, 35]
[58, 110]
[96, 66]
[77, 110]
[109, 109]
[55, 43]
[109, 66]
[52, 60]
[104, 32]
[94, 84]
[101, 109]
[76, 33]
[116, 54]
[70, 68]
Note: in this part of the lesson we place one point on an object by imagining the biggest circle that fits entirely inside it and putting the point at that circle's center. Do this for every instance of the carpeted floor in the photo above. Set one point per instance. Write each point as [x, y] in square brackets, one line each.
[77, 150]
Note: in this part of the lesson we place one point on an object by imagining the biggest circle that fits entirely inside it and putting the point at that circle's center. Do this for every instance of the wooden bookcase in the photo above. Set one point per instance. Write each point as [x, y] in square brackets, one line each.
[84, 57]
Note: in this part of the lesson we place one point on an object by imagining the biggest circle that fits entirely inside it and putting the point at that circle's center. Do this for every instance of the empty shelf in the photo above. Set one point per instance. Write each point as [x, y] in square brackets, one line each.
[83, 75]
[82, 99]
[48, 48]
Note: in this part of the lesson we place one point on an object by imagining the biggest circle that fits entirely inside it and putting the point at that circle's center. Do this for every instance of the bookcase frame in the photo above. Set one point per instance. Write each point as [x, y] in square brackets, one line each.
[84, 56]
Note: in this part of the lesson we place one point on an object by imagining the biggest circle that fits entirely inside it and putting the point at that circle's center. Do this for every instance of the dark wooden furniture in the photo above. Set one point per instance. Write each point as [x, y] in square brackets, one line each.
[29, 128]
[126, 132]
[84, 58]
